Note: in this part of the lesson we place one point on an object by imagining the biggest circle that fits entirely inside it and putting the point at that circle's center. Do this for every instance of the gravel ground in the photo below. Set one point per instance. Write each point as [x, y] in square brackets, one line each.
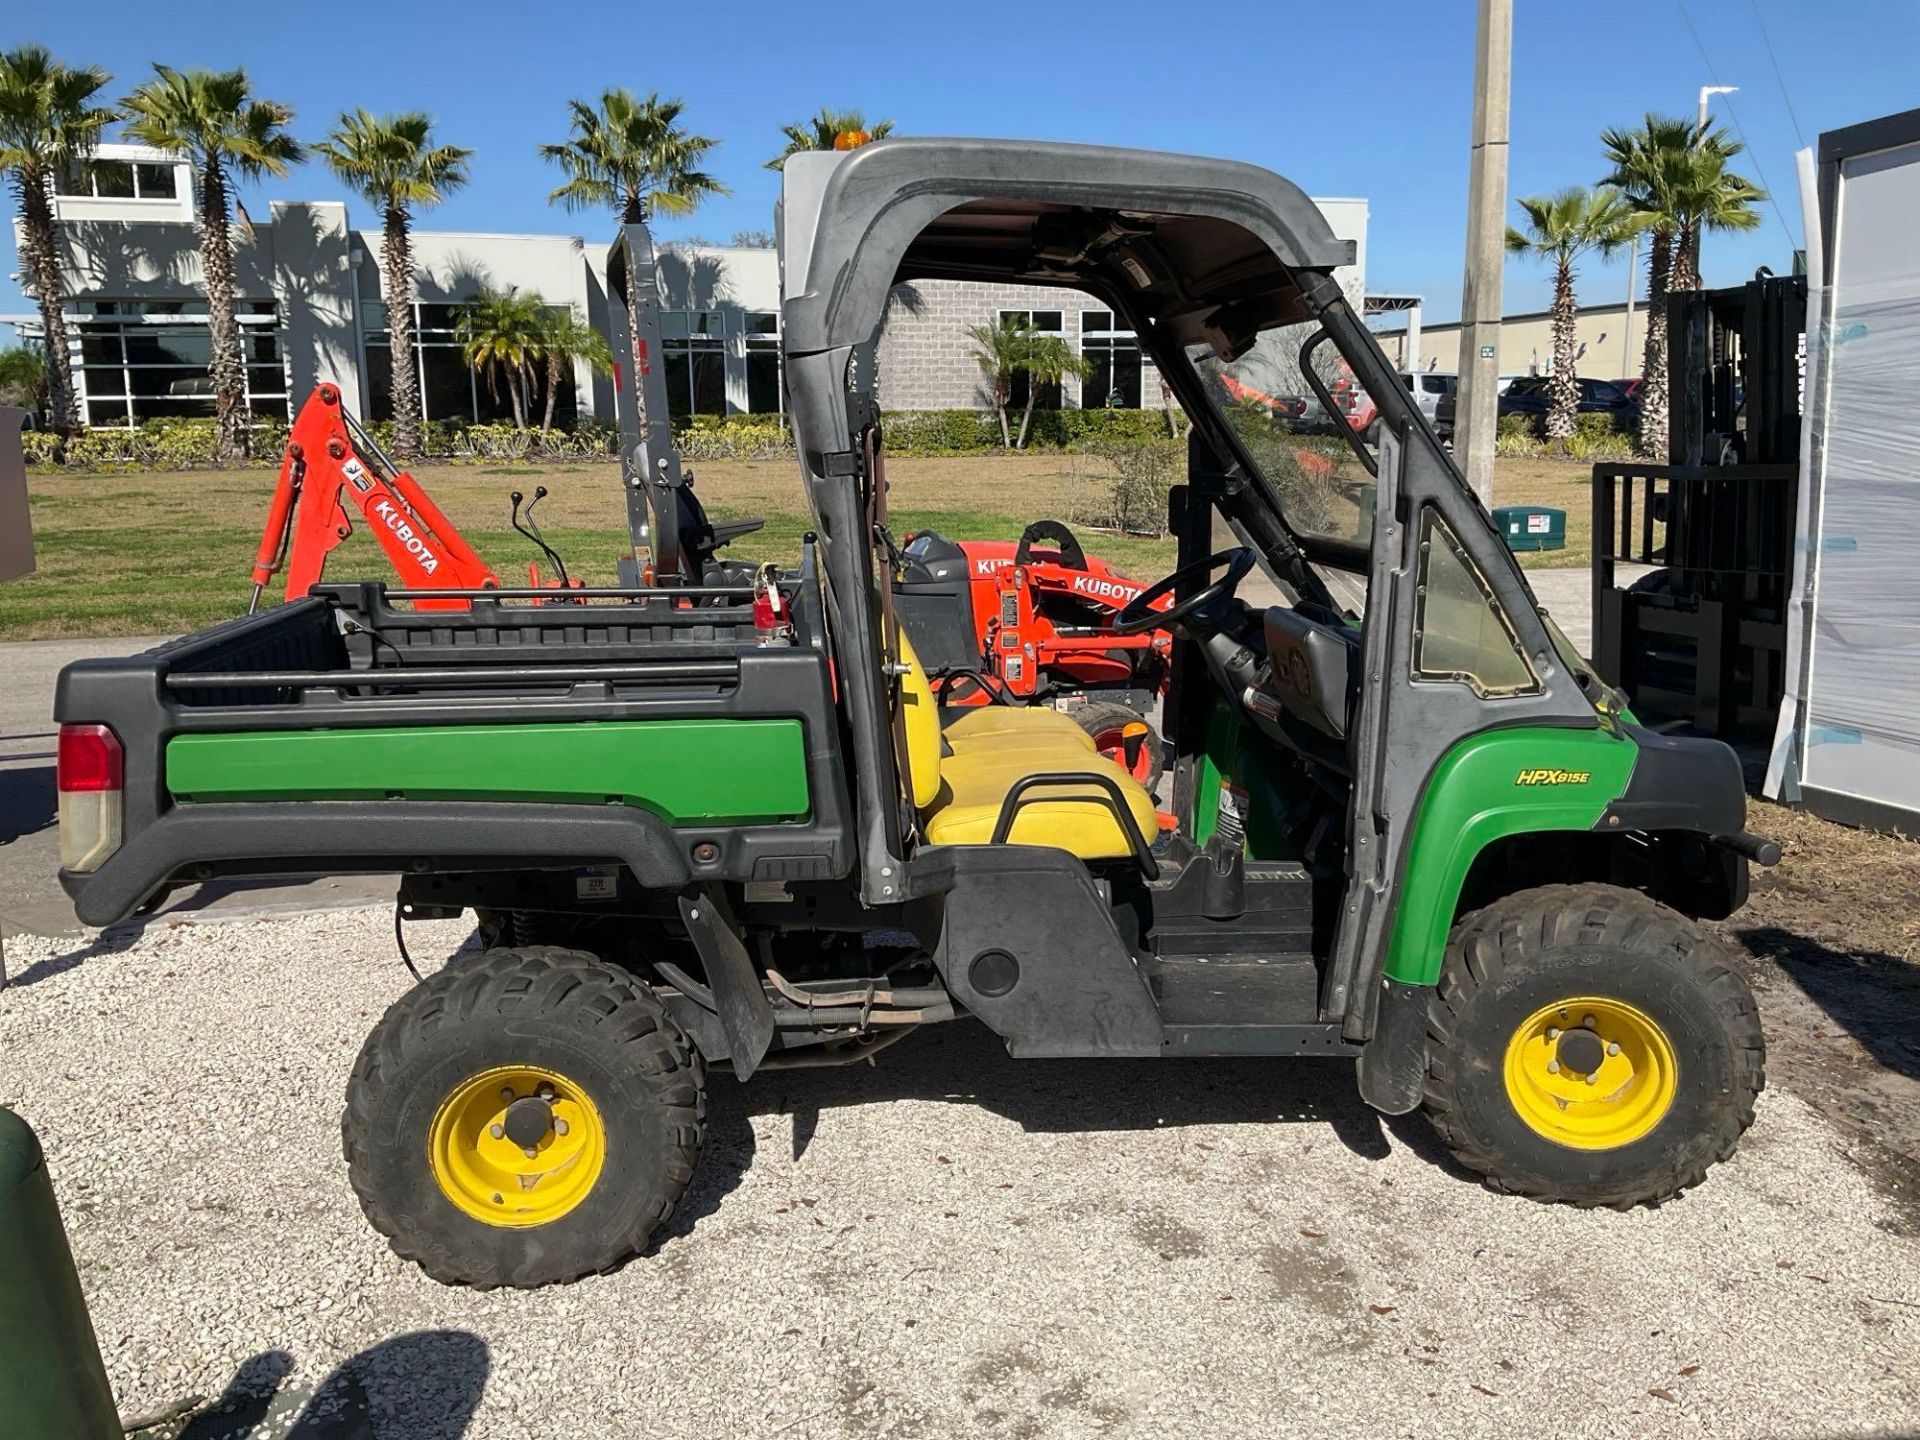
[951, 1244]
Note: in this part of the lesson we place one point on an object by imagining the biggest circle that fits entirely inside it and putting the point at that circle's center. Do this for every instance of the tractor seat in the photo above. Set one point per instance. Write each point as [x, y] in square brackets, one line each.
[960, 781]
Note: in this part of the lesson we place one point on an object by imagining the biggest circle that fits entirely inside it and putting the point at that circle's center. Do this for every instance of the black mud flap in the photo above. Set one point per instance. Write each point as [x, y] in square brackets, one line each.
[1393, 1067]
[746, 1018]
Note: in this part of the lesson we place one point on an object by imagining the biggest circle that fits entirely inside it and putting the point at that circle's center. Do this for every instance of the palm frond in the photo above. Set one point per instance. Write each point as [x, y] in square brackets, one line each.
[49, 117]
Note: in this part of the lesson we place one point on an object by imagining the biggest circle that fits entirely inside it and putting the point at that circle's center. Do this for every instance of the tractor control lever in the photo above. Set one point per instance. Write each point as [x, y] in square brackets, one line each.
[531, 529]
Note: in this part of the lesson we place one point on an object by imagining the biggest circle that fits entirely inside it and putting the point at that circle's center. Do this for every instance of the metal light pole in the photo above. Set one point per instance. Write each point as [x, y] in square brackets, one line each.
[1476, 412]
[1705, 91]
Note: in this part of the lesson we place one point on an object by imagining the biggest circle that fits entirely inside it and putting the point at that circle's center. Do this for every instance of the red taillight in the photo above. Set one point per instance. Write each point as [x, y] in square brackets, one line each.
[90, 758]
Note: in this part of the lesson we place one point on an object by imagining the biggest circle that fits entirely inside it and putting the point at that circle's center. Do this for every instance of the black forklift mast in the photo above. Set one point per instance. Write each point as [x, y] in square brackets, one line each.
[1702, 639]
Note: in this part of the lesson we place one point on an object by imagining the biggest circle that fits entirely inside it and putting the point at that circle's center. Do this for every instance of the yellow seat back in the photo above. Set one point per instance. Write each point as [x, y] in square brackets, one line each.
[920, 718]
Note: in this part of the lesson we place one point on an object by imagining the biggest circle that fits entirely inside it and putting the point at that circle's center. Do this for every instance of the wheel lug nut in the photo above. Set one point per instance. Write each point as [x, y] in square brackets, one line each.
[1613, 1047]
[1553, 1067]
[530, 1152]
[506, 1093]
[497, 1131]
[546, 1092]
[1553, 1032]
[559, 1127]
[1587, 1020]
[1592, 1078]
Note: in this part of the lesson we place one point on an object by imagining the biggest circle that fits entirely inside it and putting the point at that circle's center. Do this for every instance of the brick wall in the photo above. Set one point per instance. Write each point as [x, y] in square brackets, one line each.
[926, 356]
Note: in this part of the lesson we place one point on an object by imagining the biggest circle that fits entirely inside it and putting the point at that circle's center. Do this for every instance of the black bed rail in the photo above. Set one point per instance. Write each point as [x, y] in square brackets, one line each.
[661, 672]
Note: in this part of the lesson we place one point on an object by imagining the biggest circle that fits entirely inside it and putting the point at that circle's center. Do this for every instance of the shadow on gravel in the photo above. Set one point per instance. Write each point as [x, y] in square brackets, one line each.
[1874, 997]
[964, 1063]
[27, 801]
[107, 942]
[430, 1380]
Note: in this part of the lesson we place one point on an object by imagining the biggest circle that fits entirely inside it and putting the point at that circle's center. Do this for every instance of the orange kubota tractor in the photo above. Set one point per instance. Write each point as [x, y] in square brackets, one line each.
[1030, 622]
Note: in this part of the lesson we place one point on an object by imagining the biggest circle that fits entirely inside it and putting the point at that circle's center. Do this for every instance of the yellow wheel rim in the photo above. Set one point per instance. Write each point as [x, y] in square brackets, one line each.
[1591, 1073]
[483, 1132]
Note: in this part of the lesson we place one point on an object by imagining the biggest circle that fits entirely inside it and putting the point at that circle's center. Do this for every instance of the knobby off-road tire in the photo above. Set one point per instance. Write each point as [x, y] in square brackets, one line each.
[625, 1072]
[1530, 951]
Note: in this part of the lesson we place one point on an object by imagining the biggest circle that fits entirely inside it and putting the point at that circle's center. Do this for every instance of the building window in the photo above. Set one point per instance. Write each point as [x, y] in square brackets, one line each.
[1046, 322]
[696, 362]
[449, 388]
[119, 180]
[763, 362]
[1114, 354]
[148, 359]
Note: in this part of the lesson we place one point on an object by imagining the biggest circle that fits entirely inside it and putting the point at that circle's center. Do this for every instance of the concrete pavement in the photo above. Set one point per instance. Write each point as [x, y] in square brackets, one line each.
[31, 900]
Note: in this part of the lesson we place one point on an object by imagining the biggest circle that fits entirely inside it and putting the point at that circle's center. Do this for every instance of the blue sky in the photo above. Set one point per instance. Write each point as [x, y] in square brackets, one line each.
[1367, 97]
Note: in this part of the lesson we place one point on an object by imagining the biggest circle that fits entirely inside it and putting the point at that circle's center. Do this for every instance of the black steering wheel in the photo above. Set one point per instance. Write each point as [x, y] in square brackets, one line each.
[1140, 615]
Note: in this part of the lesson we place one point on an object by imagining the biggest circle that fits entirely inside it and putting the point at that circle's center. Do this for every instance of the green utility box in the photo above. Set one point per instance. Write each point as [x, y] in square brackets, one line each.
[1532, 527]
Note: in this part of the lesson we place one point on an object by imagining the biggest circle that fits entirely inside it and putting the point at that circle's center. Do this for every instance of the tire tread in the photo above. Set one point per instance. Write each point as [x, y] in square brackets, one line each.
[1487, 942]
[553, 981]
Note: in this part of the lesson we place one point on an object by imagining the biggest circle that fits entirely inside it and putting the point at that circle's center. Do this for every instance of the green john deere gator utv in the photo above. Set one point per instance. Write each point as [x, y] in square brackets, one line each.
[1407, 825]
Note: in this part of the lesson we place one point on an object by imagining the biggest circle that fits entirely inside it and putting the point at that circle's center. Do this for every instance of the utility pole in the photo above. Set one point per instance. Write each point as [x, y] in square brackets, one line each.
[1476, 410]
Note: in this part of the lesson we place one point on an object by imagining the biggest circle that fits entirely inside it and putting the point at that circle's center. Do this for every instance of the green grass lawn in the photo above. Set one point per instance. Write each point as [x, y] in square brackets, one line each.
[159, 553]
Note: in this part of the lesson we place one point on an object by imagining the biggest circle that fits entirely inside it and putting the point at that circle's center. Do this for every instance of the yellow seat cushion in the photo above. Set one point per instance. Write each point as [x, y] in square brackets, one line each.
[993, 748]
[1005, 727]
[975, 783]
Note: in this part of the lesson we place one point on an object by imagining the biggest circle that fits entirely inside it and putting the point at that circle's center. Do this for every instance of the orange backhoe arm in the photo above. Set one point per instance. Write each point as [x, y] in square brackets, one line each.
[322, 473]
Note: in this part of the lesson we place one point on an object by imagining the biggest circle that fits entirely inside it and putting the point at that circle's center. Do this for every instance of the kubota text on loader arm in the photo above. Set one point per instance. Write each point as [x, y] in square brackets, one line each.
[326, 468]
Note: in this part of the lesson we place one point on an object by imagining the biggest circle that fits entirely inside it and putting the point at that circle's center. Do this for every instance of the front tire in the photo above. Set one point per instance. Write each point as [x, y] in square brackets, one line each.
[1590, 1046]
[523, 1118]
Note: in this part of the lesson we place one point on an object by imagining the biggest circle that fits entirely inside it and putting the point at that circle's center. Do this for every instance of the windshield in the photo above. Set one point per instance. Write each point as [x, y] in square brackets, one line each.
[1321, 486]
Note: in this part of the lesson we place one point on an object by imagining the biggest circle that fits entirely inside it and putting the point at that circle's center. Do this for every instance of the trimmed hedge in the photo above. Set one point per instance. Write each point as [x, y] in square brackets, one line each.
[189, 444]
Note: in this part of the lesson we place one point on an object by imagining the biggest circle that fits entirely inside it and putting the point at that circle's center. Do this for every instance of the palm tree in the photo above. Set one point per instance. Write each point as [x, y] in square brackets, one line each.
[830, 130]
[1001, 352]
[1014, 347]
[212, 118]
[1708, 196]
[501, 334]
[566, 339]
[49, 120]
[1048, 362]
[1560, 228]
[392, 162]
[631, 156]
[23, 377]
[1672, 173]
[634, 158]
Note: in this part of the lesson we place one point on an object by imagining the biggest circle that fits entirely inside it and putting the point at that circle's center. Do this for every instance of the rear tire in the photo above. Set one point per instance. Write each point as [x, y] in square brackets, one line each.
[1675, 1047]
[624, 1099]
[1104, 720]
